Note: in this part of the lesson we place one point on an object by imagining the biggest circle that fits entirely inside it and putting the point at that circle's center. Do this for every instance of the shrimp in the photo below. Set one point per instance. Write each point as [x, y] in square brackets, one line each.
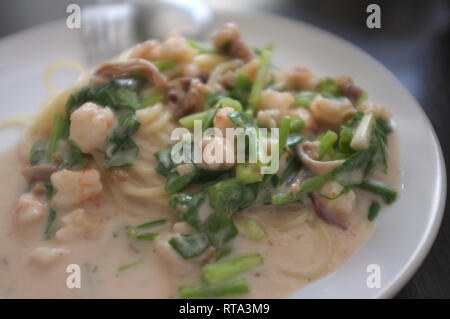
[331, 112]
[342, 205]
[90, 125]
[78, 224]
[301, 78]
[377, 110]
[46, 256]
[274, 100]
[73, 188]
[218, 154]
[29, 209]
[222, 121]
[176, 48]
[271, 99]
[268, 118]
[229, 38]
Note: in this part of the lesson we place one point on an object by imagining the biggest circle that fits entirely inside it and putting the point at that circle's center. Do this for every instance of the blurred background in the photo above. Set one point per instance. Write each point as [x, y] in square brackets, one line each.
[413, 43]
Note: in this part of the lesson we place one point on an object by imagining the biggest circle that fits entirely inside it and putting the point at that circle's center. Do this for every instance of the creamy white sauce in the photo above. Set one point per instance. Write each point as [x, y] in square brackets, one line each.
[158, 273]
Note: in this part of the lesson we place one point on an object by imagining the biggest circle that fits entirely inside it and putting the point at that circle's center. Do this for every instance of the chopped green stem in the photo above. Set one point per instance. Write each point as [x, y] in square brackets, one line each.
[387, 193]
[152, 99]
[305, 98]
[229, 102]
[188, 121]
[164, 65]
[223, 270]
[326, 142]
[297, 123]
[140, 233]
[258, 84]
[57, 130]
[284, 132]
[152, 224]
[235, 287]
[200, 48]
[253, 230]
[49, 231]
[248, 172]
[128, 266]
[373, 211]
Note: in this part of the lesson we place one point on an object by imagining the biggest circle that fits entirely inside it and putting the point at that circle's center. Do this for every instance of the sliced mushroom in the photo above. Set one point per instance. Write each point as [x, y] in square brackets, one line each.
[308, 154]
[349, 89]
[326, 215]
[38, 173]
[110, 71]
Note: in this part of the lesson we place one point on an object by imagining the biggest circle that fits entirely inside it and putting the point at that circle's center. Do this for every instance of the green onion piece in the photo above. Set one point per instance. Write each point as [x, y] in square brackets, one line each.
[362, 98]
[297, 123]
[248, 172]
[387, 193]
[128, 266]
[139, 231]
[255, 93]
[363, 134]
[49, 231]
[253, 230]
[152, 224]
[373, 211]
[281, 198]
[345, 138]
[235, 287]
[200, 48]
[164, 65]
[313, 183]
[284, 132]
[152, 99]
[305, 98]
[135, 233]
[223, 270]
[242, 87]
[229, 102]
[57, 130]
[294, 139]
[177, 182]
[188, 121]
[326, 142]
[329, 86]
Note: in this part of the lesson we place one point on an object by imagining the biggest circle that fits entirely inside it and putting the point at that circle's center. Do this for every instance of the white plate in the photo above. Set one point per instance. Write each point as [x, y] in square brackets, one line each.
[404, 232]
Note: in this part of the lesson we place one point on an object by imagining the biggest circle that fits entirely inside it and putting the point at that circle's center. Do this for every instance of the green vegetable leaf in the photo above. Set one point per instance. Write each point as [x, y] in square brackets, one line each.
[165, 163]
[219, 229]
[50, 231]
[241, 119]
[38, 153]
[186, 207]
[231, 195]
[189, 246]
[120, 149]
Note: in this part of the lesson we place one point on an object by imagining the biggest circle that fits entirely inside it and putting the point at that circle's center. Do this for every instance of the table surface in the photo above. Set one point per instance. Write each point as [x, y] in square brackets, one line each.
[413, 43]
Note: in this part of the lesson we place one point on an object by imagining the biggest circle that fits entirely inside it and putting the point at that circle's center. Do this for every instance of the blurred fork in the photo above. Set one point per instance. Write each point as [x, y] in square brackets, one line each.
[109, 27]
